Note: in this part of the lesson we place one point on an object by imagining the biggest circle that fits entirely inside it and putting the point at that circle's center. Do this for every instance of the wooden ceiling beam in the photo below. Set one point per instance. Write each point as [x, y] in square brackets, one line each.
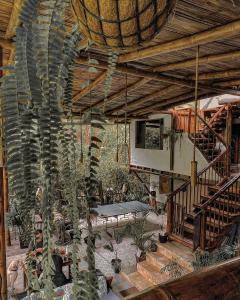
[162, 102]
[14, 19]
[202, 60]
[141, 100]
[217, 75]
[6, 44]
[121, 93]
[199, 38]
[90, 87]
[234, 84]
[184, 97]
[181, 99]
[203, 96]
[159, 77]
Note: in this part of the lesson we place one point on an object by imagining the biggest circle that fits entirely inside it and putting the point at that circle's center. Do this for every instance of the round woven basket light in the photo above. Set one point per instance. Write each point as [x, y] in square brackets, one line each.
[121, 23]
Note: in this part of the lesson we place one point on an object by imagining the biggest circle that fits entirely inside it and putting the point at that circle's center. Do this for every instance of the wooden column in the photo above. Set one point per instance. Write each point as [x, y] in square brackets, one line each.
[203, 231]
[170, 208]
[229, 137]
[3, 273]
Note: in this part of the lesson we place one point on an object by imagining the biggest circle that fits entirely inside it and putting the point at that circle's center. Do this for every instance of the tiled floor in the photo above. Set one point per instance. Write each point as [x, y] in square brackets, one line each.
[126, 252]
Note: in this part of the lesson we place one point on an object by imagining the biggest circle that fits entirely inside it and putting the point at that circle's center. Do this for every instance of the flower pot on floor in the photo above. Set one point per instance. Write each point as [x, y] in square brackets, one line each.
[116, 265]
[163, 237]
[153, 247]
[23, 243]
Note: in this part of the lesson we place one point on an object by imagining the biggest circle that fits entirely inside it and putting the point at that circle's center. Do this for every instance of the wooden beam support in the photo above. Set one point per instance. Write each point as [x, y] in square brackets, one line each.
[161, 103]
[202, 60]
[91, 86]
[200, 38]
[141, 100]
[121, 93]
[14, 19]
[170, 104]
[6, 44]
[159, 77]
[170, 101]
[217, 75]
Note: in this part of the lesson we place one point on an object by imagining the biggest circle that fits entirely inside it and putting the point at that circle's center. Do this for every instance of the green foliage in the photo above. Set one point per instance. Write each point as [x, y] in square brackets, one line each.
[112, 61]
[174, 269]
[141, 239]
[205, 259]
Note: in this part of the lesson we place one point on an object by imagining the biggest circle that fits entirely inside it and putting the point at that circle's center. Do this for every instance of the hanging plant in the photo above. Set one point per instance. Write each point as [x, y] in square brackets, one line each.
[120, 24]
[112, 62]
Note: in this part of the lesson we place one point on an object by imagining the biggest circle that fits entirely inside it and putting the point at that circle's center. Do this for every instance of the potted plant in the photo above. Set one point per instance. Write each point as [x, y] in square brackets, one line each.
[153, 246]
[141, 239]
[14, 220]
[115, 262]
[163, 236]
[96, 235]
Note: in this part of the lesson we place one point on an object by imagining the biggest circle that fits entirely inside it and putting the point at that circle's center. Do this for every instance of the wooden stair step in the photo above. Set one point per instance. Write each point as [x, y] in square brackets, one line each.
[173, 250]
[203, 145]
[152, 273]
[209, 234]
[222, 201]
[216, 223]
[231, 191]
[139, 281]
[210, 221]
[217, 211]
[226, 202]
[157, 260]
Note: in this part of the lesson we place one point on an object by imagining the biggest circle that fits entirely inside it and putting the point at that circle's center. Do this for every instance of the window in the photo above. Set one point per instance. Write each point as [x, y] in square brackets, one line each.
[149, 134]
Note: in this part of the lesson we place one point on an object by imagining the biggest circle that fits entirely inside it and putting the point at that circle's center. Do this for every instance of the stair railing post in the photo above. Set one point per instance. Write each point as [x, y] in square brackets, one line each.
[170, 215]
[189, 120]
[229, 138]
[203, 231]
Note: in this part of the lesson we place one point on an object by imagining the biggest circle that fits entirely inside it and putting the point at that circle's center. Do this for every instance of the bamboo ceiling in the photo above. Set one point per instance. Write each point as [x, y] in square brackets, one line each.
[162, 74]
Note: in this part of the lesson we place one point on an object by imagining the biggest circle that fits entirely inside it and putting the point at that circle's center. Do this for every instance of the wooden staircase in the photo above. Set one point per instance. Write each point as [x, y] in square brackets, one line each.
[201, 216]
[149, 272]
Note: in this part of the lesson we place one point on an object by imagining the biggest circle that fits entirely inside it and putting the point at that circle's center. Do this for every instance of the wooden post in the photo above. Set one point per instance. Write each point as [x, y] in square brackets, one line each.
[229, 138]
[172, 143]
[3, 272]
[203, 231]
[170, 215]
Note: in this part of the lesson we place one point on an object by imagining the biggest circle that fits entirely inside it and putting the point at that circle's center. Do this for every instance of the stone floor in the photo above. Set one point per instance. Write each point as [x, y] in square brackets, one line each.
[126, 252]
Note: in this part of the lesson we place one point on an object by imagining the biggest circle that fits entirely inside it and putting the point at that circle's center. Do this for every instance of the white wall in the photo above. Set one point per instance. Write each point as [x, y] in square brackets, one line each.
[160, 159]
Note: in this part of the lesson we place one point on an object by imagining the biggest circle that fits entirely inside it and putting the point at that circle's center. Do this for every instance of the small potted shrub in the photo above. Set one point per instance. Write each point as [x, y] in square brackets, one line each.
[163, 236]
[95, 236]
[153, 246]
[14, 220]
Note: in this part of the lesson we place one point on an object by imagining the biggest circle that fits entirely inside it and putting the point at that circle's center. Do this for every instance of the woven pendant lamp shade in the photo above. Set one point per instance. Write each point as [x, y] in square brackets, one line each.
[121, 23]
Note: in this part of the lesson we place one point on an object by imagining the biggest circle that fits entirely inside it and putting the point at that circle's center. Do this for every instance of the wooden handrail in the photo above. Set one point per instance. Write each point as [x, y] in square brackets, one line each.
[216, 115]
[213, 131]
[183, 186]
[218, 193]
